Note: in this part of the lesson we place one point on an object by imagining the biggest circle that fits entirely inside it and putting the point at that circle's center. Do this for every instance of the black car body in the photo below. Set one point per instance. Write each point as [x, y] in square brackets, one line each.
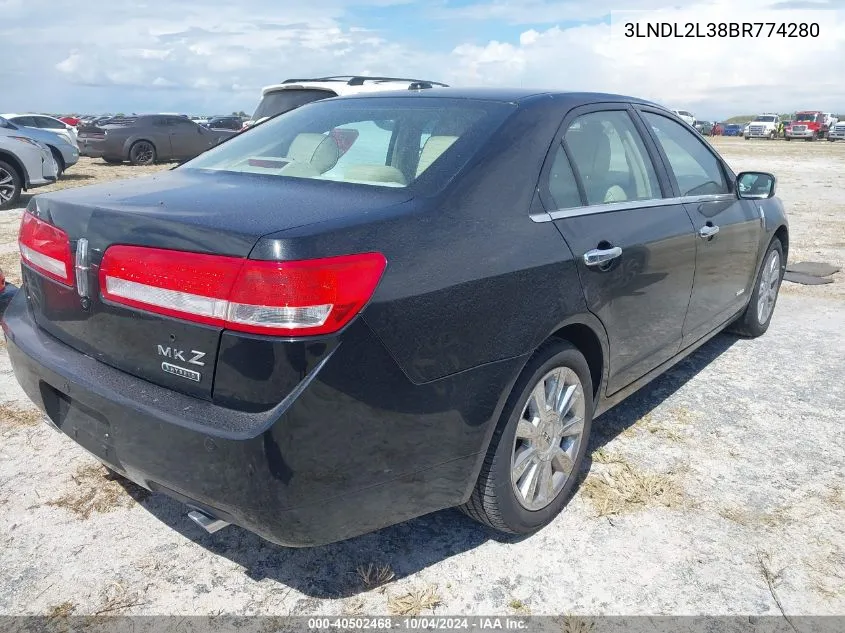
[474, 237]
[147, 139]
[225, 123]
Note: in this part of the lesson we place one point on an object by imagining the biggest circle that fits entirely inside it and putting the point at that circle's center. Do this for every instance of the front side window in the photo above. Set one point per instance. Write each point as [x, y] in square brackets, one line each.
[610, 158]
[697, 171]
[373, 141]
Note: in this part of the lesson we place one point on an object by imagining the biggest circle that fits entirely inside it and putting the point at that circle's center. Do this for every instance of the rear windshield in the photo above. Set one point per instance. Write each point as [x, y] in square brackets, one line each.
[388, 142]
[282, 101]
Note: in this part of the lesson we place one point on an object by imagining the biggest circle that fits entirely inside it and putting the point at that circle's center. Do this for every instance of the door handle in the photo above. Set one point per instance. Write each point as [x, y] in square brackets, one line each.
[599, 256]
[707, 230]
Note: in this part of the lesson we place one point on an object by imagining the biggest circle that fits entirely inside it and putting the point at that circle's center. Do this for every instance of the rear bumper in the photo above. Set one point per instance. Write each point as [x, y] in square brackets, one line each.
[92, 148]
[348, 454]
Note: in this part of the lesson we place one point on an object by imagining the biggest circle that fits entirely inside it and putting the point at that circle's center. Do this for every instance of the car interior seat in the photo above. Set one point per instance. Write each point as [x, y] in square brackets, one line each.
[311, 155]
[590, 148]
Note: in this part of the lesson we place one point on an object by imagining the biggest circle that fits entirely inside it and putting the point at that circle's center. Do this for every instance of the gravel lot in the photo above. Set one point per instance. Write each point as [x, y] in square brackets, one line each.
[718, 489]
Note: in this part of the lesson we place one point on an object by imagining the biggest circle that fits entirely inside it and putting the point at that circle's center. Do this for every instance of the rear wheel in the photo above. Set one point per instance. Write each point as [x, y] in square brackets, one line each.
[142, 153]
[10, 185]
[758, 314]
[535, 456]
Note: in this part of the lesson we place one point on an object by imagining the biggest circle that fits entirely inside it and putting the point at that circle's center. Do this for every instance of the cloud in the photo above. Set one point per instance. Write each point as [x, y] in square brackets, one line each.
[214, 56]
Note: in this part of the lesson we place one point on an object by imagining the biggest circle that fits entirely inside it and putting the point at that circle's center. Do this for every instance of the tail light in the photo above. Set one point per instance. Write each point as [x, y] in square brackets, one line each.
[294, 298]
[46, 248]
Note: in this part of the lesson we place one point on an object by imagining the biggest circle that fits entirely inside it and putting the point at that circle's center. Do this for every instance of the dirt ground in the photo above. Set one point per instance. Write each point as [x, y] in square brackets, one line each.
[719, 489]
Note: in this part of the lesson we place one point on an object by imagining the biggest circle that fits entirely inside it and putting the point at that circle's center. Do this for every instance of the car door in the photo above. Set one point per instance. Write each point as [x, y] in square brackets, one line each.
[727, 228]
[157, 129]
[187, 138]
[634, 245]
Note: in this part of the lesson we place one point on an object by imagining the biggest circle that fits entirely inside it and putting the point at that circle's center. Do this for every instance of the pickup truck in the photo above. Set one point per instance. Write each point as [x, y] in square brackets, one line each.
[763, 126]
[837, 132]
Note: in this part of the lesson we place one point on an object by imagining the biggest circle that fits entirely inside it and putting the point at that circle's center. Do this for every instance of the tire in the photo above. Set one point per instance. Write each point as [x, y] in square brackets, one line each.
[10, 185]
[142, 153]
[495, 501]
[755, 321]
[772, 136]
[60, 162]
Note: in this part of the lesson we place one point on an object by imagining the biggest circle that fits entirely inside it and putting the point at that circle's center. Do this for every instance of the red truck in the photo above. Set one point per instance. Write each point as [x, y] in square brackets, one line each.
[809, 125]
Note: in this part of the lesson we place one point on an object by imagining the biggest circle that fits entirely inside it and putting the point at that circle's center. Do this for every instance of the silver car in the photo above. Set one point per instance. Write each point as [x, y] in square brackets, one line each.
[64, 153]
[25, 163]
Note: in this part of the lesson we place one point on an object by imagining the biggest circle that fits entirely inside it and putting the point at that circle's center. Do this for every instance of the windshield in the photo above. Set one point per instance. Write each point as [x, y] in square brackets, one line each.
[7, 125]
[805, 117]
[282, 101]
[765, 119]
[388, 142]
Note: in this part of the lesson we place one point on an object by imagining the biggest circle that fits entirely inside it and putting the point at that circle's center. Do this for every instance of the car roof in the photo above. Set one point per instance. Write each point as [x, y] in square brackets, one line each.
[509, 95]
[14, 114]
[350, 84]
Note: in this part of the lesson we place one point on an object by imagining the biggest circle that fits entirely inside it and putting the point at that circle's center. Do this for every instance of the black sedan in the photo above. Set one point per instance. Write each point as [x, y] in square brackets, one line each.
[146, 139]
[313, 340]
[225, 123]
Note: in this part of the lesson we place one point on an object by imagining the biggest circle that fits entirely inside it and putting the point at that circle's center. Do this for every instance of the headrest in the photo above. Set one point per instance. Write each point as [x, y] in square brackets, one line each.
[317, 150]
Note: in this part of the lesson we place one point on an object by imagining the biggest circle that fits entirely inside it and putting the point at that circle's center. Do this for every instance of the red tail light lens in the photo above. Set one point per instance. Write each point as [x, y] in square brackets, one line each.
[46, 248]
[317, 296]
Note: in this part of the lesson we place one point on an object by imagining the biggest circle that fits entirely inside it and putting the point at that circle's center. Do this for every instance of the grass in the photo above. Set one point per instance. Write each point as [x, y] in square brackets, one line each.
[414, 602]
[62, 610]
[96, 491]
[624, 489]
[18, 417]
[576, 624]
[373, 576]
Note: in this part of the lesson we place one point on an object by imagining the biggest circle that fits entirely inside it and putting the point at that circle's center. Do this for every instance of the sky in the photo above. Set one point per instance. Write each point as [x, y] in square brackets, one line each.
[214, 56]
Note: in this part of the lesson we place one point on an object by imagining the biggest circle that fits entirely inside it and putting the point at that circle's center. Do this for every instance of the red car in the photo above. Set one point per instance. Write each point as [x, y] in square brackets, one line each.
[70, 120]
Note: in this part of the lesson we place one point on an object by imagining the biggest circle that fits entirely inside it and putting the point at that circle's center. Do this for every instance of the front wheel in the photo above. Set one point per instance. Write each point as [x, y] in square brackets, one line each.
[60, 163]
[758, 314]
[534, 458]
[10, 186]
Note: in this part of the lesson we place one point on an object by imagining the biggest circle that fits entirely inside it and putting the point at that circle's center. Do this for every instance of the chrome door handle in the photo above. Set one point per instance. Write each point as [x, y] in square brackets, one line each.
[707, 231]
[599, 256]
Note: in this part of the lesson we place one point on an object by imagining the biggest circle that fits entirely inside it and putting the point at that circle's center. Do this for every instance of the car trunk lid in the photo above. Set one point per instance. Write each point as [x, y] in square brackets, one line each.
[217, 214]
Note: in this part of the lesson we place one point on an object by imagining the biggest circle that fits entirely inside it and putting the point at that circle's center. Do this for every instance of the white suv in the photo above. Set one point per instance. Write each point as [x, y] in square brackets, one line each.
[685, 116]
[293, 93]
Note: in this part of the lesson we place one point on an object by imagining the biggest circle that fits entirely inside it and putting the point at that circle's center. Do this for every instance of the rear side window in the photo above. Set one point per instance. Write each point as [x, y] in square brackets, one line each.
[697, 171]
[47, 123]
[610, 158]
[562, 185]
[282, 101]
[374, 141]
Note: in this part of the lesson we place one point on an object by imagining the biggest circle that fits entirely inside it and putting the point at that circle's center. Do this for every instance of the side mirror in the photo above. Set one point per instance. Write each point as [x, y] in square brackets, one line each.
[755, 185]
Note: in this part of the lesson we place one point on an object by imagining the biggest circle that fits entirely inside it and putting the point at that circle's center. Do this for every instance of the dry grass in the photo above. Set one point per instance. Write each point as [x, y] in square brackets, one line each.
[519, 607]
[96, 490]
[624, 489]
[17, 417]
[373, 576]
[10, 263]
[62, 610]
[576, 624]
[605, 456]
[354, 606]
[414, 602]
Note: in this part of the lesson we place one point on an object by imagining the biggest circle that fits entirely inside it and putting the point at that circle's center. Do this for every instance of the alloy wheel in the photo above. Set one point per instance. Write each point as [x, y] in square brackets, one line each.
[548, 437]
[7, 186]
[142, 153]
[768, 291]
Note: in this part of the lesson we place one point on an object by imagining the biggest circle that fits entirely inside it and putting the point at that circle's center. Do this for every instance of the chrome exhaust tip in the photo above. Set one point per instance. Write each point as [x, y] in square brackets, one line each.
[207, 522]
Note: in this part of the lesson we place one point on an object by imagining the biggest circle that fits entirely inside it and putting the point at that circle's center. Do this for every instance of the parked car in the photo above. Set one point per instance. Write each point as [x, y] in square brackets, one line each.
[146, 139]
[704, 127]
[25, 163]
[225, 123]
[685, 116]
[42, 122]
[837, 132]
[809, 125]
[232, 336]
[732, 129]
[64, 153]
[69, 120]
[293, 93]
